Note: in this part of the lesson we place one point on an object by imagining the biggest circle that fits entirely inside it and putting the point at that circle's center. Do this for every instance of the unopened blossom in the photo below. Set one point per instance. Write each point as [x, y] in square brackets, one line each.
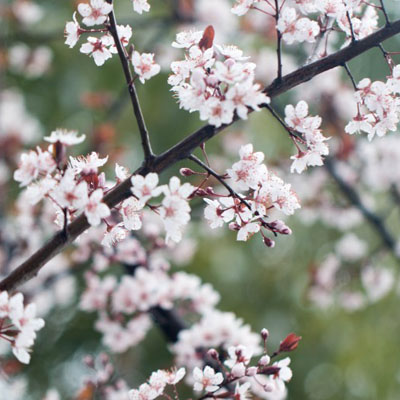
[95, 13]
[131, 211]
[144, 65]
[144, 188]
[67, 138]
[121, 172]
[95, 209]
[98, 48]
[207, 380]
[72, 32]
[140, 5]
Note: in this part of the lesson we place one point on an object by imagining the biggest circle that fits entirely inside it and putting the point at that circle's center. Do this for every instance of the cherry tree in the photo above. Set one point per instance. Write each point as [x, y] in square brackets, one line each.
[127, 228]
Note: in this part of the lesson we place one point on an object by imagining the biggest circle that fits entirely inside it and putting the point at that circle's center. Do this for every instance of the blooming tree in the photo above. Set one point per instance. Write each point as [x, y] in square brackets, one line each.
[128, 227]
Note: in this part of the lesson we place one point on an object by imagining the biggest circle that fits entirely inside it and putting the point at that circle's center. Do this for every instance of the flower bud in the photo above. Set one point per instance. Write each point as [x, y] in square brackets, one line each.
[290, 342]
[213, 354]
[264, 360]
[186, 172]
[268, 242]
[264, 334]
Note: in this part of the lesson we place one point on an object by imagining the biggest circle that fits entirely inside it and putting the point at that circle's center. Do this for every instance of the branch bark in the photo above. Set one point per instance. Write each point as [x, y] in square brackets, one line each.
[184, 148]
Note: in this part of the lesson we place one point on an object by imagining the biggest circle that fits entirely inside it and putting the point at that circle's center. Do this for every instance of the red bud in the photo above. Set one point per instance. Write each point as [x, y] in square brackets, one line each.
[208, 38]
[290, 342]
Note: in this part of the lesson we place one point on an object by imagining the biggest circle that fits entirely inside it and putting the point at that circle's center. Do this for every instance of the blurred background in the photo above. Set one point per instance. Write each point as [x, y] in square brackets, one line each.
[313, 282]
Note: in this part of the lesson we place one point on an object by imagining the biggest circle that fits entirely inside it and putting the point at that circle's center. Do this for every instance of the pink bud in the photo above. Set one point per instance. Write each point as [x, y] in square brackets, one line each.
[268, 242]
[264, 334]
[213, 354]
[251, 371]
[186, 172]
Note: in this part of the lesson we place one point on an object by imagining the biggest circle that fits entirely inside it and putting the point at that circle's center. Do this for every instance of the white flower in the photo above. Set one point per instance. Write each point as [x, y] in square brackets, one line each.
[94, 13]
[87, 165]
[116, 234]
[187, 39]
[285, 373]
[95, 209]
[144, 188]
[98, 48]
[72, 32]
[131, 213]
[242, 6]
[141, 5]
[144, 65]
[68, 138]
[217, 112]
[207, 379]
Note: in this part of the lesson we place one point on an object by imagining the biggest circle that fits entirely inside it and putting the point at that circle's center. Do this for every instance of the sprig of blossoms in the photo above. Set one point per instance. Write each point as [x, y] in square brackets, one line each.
[214, 80]
[102, 48]
[249, 213]
[231, 374]
[378, 106]
[294, 25]
[18, 324]
[298, 120]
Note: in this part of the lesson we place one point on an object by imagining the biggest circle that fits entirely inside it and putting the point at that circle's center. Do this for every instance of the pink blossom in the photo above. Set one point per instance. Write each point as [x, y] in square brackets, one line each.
[95, 209]
[95, 13]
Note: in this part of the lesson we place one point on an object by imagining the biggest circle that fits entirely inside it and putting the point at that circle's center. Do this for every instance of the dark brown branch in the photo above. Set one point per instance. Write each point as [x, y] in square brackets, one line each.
[278, 42]
[184, 148]
[353, 82]
[148, 152]
[374, 220]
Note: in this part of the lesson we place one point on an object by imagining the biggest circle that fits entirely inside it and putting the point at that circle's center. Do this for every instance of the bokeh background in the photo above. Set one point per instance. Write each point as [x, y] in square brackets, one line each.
[344, 354]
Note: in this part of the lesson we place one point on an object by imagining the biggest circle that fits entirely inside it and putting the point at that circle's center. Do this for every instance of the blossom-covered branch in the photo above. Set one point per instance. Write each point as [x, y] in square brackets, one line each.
[183, 149]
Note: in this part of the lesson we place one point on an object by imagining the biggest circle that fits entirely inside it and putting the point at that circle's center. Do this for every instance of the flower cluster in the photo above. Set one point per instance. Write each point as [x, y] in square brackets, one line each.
[123, 306]
[230, 374]
[378, 106]
[295, 26]
[298, 120]
[214, 80]
[18, 324]
[248, 213]
[102, 48]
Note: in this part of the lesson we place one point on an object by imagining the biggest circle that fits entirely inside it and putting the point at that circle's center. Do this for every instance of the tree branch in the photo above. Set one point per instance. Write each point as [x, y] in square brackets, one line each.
[184, 148]
[147, 150]
[353, 197]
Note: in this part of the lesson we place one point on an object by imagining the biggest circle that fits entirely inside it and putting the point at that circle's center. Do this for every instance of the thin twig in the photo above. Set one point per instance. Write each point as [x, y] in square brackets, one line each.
[375, 221]
[184, 148]
[347, 69]
[353, 37]
[278, 42]
[385, 14]
[219, 179]
[147, 150]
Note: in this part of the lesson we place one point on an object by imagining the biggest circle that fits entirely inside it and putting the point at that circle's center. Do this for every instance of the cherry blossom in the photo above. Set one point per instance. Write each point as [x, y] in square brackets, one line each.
[98, 48]
[207, 380]
[241, 7]
[72, 32]
[144, 188]
[131, 213]
[141, 5]
[95, 209]
[94, 13]
[67, 138]
[144, 65]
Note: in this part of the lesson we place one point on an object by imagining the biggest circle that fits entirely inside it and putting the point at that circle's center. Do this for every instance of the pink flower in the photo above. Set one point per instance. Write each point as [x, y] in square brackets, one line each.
[131, 213]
